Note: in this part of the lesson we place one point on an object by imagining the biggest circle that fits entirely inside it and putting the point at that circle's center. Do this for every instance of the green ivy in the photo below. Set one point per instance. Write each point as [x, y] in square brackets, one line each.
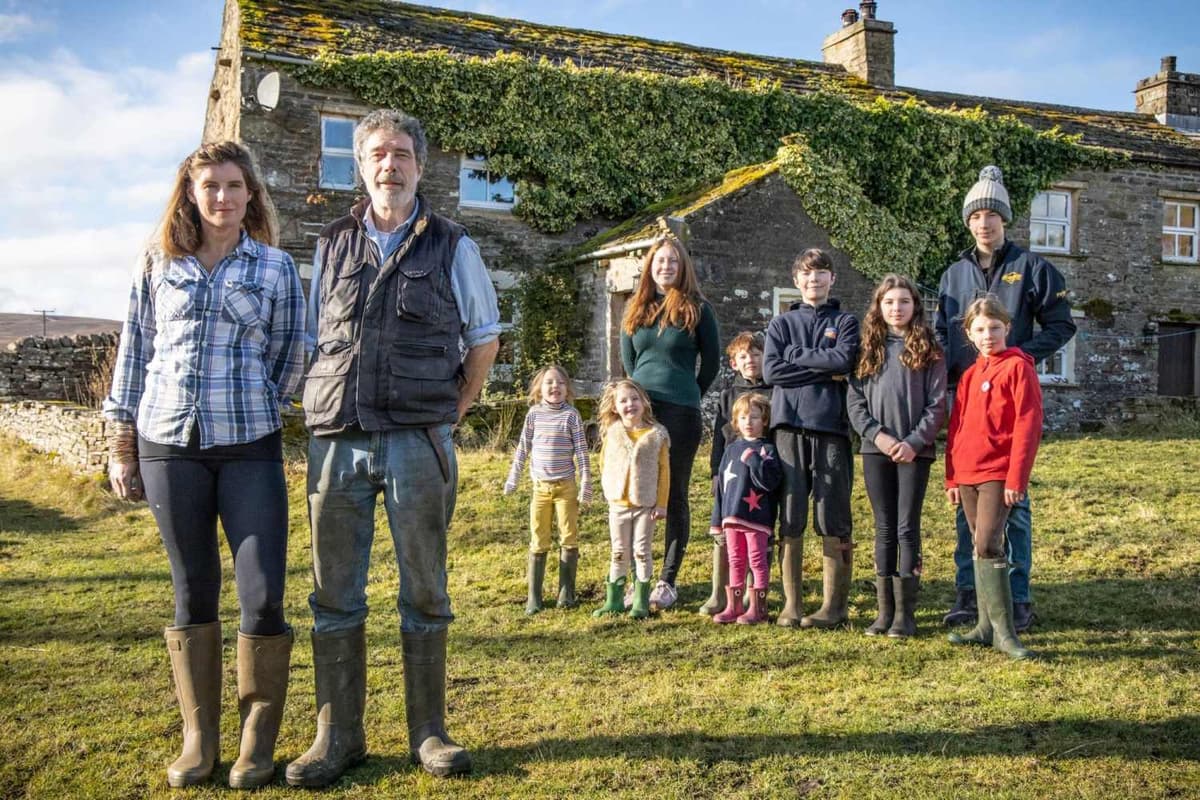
[552, 324]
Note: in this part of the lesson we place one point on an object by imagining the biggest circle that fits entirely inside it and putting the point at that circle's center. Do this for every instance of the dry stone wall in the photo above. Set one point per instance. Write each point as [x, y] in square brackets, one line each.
[73, 434]
[55, 368]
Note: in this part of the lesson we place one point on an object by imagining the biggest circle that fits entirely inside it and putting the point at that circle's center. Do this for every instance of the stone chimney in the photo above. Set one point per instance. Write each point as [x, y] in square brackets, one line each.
[1172, 97]
[864, 46]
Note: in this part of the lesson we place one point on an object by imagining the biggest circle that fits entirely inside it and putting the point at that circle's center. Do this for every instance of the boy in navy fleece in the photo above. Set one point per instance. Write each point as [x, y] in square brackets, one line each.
[809, 351]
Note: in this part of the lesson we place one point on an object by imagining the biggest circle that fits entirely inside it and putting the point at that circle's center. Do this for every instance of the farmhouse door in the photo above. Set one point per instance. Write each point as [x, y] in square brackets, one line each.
[1176, 359]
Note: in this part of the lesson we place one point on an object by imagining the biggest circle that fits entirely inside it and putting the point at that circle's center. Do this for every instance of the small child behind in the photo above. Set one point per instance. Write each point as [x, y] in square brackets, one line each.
[745, 506]
[995, 429]
[553, 441]
[635, 476]
[745, 358]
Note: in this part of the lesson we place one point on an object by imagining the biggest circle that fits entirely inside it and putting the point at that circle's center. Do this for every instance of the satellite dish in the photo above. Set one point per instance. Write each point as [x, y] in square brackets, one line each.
[268, 91]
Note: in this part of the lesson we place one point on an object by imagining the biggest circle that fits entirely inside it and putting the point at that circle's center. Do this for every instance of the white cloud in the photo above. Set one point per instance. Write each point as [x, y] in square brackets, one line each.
[87, 158]
[14, 26]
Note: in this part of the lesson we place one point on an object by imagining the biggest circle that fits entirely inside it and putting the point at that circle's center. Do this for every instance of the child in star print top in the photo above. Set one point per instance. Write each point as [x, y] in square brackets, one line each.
[745, 508]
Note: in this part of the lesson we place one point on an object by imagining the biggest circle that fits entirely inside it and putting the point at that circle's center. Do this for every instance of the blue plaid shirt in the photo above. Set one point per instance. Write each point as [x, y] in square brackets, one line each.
[218, 351]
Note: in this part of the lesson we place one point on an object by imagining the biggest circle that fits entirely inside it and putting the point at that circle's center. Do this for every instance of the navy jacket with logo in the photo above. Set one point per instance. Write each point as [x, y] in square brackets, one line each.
[806, 348]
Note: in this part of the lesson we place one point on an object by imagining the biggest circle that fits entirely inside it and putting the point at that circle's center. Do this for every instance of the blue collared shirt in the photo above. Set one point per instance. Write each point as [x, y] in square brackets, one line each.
[469, 281]
[217, 350]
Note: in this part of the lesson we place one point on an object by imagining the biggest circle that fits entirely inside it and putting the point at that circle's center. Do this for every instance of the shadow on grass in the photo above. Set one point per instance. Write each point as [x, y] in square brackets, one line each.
[21, 516]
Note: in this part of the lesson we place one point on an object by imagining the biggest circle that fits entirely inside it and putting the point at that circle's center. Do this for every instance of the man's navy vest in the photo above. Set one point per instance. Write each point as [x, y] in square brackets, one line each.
[387, 352]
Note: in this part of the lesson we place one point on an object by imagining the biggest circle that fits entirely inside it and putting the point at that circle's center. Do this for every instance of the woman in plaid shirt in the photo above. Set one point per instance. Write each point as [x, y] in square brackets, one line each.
[213, 342]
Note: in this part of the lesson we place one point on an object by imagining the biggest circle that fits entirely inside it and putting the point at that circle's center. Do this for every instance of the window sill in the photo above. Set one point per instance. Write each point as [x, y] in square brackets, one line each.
[1048, 382]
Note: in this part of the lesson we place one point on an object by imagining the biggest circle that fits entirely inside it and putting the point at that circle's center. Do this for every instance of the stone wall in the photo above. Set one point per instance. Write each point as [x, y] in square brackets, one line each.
[56, 368]
[73, 434]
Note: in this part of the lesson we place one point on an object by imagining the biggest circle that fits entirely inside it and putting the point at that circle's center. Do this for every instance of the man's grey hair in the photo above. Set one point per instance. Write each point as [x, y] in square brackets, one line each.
[392, 121]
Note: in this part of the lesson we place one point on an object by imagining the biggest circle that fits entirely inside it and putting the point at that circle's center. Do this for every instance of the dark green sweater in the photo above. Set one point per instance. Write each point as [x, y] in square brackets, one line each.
[664, 363]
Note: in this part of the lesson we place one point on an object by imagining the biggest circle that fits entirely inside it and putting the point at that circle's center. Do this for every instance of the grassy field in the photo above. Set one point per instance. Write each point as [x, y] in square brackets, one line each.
[562, 705]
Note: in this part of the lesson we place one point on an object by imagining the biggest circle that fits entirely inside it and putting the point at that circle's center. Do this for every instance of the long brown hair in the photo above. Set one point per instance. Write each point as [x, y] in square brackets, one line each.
[679, 308]
[920, 347]
[179, 231]
[607, 414]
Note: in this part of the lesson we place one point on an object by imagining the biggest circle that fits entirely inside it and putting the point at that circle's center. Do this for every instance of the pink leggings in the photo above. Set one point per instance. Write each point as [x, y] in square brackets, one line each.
[740, 540]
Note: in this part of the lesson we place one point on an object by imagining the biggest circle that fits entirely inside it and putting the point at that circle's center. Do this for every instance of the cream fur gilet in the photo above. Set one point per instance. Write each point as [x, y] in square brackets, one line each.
[636, 461]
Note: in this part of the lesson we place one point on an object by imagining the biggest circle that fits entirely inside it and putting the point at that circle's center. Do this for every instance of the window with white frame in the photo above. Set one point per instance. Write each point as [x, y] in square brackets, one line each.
[505, 284]
[337, 152]
[783, 297]
[1060, 367]
[480, 187]
[1050, 222]
[1181, 231]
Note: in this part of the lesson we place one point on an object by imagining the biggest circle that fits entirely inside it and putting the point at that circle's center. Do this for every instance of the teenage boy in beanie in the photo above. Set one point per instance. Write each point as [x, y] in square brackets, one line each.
[809, 352]
[1032, 290]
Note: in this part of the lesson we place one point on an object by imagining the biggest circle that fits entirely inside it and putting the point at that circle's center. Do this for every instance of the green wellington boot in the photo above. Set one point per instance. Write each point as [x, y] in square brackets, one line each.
[715, 603]
[836, 567]
[262, 678]
[641, 600]
[425, 705]
[998, 598]
[614, 598]
[568, 567]
[195, 652]
[535, 574]
[791, 561]
[981, 634]
[887, 606]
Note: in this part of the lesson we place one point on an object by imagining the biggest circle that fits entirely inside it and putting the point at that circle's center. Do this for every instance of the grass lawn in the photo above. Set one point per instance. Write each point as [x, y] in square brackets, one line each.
[562, 705]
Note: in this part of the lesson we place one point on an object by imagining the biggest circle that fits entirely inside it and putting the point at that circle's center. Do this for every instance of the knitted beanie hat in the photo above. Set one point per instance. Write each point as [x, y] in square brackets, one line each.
[988, 192]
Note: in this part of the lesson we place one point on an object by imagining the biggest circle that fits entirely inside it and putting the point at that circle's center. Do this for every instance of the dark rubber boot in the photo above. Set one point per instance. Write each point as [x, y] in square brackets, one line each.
[964, 610]
[614, 602]
[720, 577]
[340, 674]
[425, 705]
[195, 652]
[1023, 616]
[641, 600]
[535, 574]
[568, 567]
[836, 569]
[887, 606]
[262, 673]
[904, 623]
[996, 593]
[756, 609]
[791, 562]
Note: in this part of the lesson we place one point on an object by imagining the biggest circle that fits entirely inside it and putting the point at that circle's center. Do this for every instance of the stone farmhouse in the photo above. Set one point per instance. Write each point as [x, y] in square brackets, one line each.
[1126, 237]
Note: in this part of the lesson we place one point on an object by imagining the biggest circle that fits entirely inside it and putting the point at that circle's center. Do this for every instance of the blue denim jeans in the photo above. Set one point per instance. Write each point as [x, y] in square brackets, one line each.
[346, 473]
[1018, 542]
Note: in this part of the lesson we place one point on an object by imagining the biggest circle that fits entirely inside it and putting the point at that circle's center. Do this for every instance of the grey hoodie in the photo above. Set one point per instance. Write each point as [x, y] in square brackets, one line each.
[908, 405]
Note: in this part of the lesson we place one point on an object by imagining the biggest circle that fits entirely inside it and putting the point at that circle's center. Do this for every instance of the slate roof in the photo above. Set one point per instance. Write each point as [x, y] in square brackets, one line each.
[300, 29]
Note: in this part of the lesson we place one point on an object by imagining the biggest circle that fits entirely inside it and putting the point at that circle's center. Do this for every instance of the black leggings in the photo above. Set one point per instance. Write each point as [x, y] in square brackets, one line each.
[186, 497]
[684, 425]
[897, 493]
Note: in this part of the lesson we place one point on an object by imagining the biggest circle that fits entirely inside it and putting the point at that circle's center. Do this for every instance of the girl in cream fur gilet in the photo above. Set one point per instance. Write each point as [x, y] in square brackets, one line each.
[635, 477]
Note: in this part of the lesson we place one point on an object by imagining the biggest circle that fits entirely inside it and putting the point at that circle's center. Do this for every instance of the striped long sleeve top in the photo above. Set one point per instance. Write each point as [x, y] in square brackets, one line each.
[552, 441]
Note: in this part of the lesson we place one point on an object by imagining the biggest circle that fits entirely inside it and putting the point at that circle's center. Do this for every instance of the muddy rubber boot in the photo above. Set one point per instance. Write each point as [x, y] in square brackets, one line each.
[836, 569]
[614, 602]
[981, 634]
[715, 603]
[340, 674]
[262, 676]
[195, 652]
[535, 574]
[791, 562]
[425, 705]
[887, 606]
[996, 594]
[756, 609]
[641, 600]
[568, 567]
[904, 624]
[733, 605]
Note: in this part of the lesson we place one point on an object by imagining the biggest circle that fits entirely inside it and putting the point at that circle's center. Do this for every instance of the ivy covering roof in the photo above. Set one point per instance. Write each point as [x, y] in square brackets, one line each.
[302, 29]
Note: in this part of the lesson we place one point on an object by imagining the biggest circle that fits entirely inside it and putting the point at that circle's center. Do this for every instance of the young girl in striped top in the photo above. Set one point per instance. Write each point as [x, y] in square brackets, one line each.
[552, 440]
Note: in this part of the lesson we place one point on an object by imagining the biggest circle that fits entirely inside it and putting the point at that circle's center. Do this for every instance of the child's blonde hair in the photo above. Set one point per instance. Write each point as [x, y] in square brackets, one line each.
[748, 401]
[607, 415]
[535, 384]
[987, 306]
[746, 340]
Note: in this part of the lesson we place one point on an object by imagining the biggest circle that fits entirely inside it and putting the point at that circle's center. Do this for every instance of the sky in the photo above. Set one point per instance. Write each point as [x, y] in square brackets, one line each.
[102, 99]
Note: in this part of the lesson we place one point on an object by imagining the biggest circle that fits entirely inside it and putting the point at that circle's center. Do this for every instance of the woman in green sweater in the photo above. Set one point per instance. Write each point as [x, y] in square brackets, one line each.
[670, 345]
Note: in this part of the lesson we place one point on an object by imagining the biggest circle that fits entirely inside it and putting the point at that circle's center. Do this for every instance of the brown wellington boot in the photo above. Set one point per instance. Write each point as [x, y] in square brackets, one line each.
[262, 670]
[340, 674]
[425, 705]
[836, 567]
[715, 603]
[791, 561]
[195, 652]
